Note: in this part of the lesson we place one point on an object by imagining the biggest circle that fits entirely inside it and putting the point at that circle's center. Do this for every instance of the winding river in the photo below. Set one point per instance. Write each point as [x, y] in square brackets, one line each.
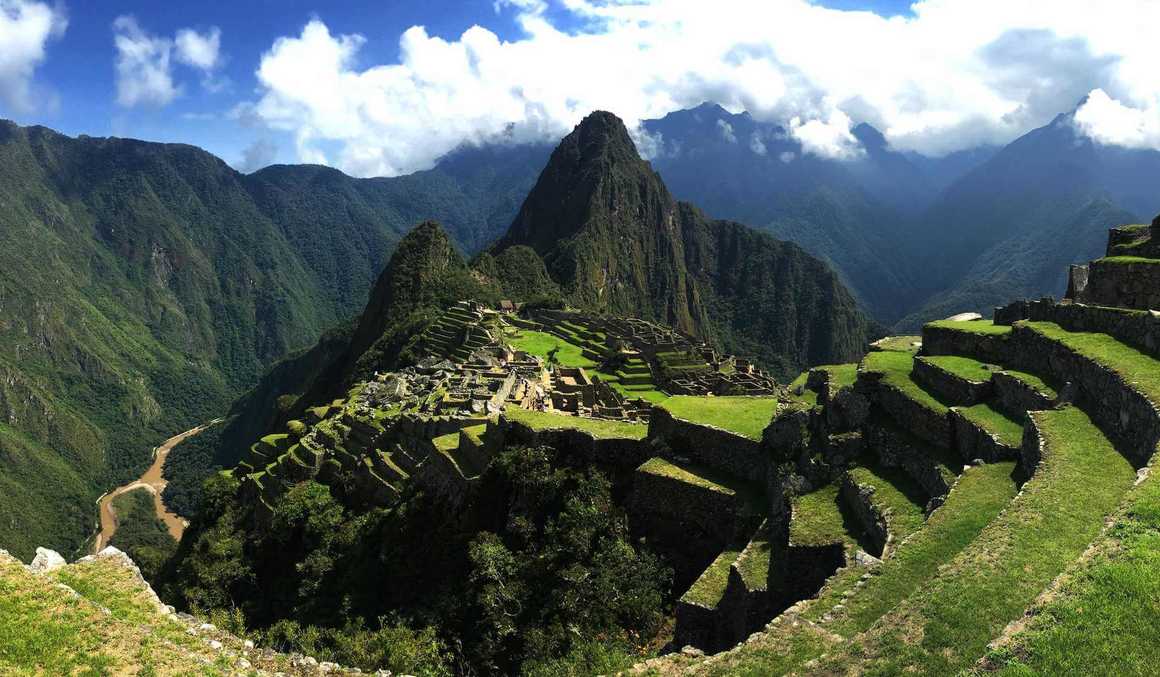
[153, 482]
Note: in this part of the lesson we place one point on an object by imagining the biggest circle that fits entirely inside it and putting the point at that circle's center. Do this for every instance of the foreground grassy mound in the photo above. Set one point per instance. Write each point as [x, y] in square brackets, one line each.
[947, 625]
[1104, 613]
[746, 416]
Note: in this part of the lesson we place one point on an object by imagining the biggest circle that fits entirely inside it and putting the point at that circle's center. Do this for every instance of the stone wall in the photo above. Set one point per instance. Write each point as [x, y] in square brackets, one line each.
[857, 498]
[973, 442]
[1122, 285]
[944, 341]
[929, 425]
[1137, 328]
[950, 387]
[720, 449]
[1016, 398]
[1116, 406]
[898, 449]
[1031, 451]
[581, 447]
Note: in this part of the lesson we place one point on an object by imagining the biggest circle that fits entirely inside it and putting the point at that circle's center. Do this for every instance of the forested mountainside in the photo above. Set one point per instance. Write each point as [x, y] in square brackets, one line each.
[1008, 228]
[616, 241]
[143, 286]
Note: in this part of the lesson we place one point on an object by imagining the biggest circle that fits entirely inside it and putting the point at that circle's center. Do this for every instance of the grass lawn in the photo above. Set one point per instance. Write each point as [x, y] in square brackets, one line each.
[808, 397]
[988, 418]
[816, 518]
[598, 428]
[707, 590]
[1034, 382]
[895, 368]
[1106, 613]
[1137, 368]
[746, 416]
[1127, 259]
[963, 367]
[684, 473]
[541, 343]
[843, 375]
[905, 344]
[895, 495]
[946, 626]
[985, 327]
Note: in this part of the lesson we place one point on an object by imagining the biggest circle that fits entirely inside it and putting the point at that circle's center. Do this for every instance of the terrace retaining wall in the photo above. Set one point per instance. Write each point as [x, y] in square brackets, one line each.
[1123, 285]
[943, 341]
[949, 386]
[720, 449]
[973, 442]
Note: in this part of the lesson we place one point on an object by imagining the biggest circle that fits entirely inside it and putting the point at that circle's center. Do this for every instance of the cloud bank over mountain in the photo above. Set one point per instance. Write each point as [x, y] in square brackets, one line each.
[954, 74]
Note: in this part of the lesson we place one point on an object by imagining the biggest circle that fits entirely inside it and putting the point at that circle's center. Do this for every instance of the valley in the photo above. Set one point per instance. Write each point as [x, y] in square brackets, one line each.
[152, 481]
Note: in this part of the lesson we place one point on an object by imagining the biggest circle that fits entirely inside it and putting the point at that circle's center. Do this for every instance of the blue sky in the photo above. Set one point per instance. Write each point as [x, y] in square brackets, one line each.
[352, 84]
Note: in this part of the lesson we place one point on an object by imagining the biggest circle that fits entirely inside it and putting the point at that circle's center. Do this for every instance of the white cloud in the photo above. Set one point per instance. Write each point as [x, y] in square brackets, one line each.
[199, 51]
[25, 29]
[1110, 122]
[786, 156]
[951, 74]
[144, 62]
[726, 130]
[830, 138]
[756, 144]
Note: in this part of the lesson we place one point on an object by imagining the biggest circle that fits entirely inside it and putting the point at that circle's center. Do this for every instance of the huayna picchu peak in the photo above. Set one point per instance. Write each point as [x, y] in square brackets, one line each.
[559, 338]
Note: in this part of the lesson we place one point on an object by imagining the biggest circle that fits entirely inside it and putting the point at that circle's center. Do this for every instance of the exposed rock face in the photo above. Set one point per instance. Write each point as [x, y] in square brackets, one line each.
[616, 241]
[46, 560]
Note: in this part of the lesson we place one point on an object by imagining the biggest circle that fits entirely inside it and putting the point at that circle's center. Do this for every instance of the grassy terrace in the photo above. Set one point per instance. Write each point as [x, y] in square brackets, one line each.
[1009, 431]
[684, 473]
[903, 344]
[985, 327]
[897, 496]
[843, 375]
[707, 590]
[808, 397]
[947, 625]
[1034, 382]
[598, 428]
[1127, 259]
[816, 518]
[895, 368]
[1135, 367]
[754, 567]
[963, 367]
[1105, 612]
[541, 344]
[746, 416]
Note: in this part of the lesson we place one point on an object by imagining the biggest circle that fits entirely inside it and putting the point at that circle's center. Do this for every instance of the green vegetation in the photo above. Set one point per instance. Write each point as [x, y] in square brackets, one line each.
[550, 347]
[904, 344]
[1123, 260]
[1104, 612]
[699, 477]
[1137, 368]
[707, 590]
[897, 496]
[991, 582]
[140, 533]
[963, 367]
[1034, 382]
[984, 327]
[598, 428]
[746, 416]
[895, 367]
[843, 375]
[988, 418]
[817, 518]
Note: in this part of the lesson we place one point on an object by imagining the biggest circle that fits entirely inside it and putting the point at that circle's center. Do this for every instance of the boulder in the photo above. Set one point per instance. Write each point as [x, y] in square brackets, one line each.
[46, 560]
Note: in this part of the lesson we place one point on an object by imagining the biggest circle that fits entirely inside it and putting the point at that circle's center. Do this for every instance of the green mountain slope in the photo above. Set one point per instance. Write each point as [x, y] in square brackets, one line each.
[143, 286]
[616, 241]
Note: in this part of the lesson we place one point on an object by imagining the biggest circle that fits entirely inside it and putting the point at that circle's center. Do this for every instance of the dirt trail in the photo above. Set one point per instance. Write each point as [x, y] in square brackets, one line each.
[153, 482]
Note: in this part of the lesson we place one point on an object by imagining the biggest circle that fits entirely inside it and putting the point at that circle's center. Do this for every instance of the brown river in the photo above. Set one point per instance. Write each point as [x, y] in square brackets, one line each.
[153, 482]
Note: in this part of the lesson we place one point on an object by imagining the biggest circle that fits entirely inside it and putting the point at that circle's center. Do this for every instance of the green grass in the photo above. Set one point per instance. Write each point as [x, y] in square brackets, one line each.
[946, 626]
[446, 443]
[895, 495]
[816, 518]
[1009, 431]
[754, 567]
[683, 473]
[598, 428]
[1136, 367]
[1106, 613]
[1034, 382]
[778, 652]
[1121, 260]
[985, 327]
[541, 344]
[895, 368]
[707, 590]
[963, 367]
[843, 375]
[903, 344]
[746, 416]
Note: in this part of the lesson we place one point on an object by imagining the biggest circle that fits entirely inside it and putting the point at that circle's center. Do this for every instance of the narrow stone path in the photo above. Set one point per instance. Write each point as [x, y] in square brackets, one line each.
[152, 481]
